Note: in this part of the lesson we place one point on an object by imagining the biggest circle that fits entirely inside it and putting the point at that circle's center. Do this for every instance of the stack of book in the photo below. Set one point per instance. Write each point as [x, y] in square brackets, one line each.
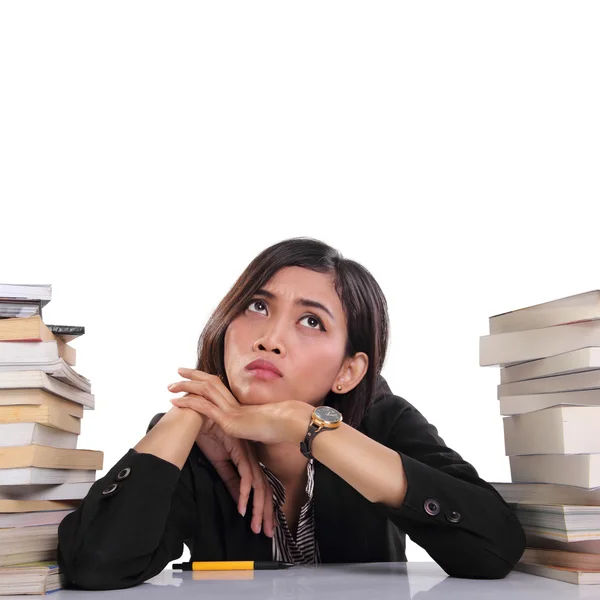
[43, 476]
[549, 393]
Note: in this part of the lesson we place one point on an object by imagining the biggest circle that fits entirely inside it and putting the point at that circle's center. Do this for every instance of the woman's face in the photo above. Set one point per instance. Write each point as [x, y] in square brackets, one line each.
[304, 342]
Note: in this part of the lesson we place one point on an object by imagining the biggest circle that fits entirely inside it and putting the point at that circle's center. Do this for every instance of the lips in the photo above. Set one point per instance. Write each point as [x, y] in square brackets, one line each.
[265, 365]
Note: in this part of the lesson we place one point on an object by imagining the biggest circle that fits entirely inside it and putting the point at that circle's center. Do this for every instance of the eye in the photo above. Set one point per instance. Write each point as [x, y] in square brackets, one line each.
[254, 303]
[316, 321]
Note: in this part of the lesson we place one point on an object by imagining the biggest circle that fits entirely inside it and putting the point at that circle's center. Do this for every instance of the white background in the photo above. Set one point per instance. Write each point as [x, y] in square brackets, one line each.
[148, 151]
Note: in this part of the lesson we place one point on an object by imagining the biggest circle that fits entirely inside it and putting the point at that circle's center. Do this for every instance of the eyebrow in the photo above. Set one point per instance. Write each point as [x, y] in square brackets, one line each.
[299, 302]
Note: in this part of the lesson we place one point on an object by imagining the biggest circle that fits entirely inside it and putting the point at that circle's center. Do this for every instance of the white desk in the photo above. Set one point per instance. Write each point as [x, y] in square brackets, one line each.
[375, 581]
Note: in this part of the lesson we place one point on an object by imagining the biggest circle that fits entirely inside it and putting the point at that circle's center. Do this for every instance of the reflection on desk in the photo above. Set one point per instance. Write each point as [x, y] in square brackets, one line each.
[380, 581]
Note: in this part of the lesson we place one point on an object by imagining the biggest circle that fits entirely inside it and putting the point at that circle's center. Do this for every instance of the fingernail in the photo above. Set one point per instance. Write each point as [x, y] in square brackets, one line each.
[172, 386]
[243, 512]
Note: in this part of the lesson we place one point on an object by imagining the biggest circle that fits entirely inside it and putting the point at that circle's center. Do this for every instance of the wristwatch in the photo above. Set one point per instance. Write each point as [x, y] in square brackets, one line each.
[323, 418]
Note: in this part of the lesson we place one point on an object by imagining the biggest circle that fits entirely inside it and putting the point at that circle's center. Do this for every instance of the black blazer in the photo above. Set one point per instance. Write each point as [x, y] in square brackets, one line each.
[136, 518]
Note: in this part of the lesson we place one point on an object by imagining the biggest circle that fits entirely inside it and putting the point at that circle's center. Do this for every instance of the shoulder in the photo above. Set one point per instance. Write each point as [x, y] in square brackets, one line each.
[388, 411]
[386, 404]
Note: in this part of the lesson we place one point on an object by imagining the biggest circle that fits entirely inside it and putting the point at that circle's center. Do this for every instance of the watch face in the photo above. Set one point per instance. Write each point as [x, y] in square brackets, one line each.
[328, 414]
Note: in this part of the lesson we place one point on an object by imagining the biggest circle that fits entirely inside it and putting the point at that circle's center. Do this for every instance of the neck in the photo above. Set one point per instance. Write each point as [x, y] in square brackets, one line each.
[285, 461]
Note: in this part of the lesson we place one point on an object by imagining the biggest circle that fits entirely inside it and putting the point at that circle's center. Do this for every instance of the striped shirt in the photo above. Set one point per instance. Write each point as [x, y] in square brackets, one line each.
[304, 548]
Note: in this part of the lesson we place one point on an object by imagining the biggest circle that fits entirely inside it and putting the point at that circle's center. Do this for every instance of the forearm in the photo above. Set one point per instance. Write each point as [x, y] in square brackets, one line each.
[173, 436]
[470, 533]
[459, 519]
[134, 519]
[126, 530]
[372, 469]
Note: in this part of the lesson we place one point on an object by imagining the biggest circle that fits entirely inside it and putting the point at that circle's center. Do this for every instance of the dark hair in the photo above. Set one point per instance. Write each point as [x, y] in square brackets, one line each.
[361, 297]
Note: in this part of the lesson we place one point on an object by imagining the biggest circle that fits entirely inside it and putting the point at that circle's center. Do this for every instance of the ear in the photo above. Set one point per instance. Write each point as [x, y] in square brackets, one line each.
[353, 370]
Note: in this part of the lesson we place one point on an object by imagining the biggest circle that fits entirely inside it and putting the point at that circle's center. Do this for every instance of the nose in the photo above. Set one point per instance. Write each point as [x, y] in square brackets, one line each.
[270, 340]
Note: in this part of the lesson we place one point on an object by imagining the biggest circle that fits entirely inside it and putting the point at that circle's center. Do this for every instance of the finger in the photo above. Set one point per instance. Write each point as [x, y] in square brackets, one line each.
[213, 381]
[217, 393]
[268, 511]
[240, 458]
[229, 476]
[242, 422]
[203, 406]
[260, 496]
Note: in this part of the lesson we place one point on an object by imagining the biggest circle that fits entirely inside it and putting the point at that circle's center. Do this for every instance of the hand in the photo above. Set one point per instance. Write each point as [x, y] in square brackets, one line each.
[277, 422]
[222, 450]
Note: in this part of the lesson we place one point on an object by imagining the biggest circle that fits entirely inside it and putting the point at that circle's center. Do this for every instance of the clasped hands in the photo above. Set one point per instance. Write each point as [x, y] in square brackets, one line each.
[228, 430]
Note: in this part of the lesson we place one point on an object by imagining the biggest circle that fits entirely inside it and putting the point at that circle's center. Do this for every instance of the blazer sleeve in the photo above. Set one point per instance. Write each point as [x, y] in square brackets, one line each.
[131, 524]
[458, 518]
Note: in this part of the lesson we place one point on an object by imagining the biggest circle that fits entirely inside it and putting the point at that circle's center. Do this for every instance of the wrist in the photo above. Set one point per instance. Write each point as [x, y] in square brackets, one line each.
[191, 418]
[298, 421]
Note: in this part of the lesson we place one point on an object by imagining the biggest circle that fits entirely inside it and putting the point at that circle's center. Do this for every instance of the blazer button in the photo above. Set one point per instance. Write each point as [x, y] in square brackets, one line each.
[110, 489]
[453, 516]
[432, 507]
[124, 473]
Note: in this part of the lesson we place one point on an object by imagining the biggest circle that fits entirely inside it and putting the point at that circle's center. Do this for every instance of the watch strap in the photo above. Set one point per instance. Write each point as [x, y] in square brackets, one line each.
[305, 446]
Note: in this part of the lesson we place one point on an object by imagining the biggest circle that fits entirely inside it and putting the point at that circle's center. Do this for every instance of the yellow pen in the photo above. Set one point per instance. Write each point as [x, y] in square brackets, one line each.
[232, 565]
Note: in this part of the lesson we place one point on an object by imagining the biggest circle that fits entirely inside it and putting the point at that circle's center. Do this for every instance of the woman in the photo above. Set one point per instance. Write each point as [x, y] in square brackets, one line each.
[336, 468]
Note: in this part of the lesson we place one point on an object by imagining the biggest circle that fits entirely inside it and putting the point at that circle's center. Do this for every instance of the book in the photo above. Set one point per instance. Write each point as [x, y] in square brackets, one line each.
[570, 309]
[561, 558]
[547, 493]
[560, 573]
[56, 368]
[581, 470]
[572, 382]
[538, 538]
[27, 479]
[18, 544]
[36, 485]
[37, 292]
[576, 361]
[531, 344]
[567, 523]
[25, 506]
[33, 519]
[556, 430]
[24, 434]
[67, 332]
[562, 535]
[11, 380]
[32, 554]
[518, 405]
[34, 351]
[37, 406]
[10, 309]
[33, 329]
[42, 577]
[43, 476]
[15, 457]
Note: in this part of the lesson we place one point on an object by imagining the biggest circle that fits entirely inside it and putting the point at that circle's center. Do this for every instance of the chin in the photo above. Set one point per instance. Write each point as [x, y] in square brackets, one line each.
[253, 396]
